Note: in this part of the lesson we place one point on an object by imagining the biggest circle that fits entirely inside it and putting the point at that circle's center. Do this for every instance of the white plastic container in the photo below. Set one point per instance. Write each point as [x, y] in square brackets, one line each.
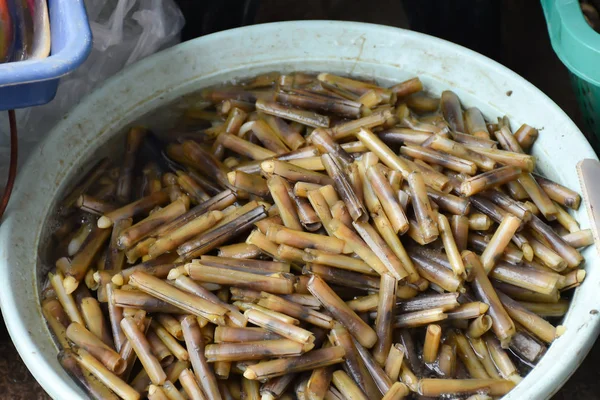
[388, 54]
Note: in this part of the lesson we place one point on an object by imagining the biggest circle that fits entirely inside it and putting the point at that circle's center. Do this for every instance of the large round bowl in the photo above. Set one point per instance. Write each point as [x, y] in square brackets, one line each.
[388, 54]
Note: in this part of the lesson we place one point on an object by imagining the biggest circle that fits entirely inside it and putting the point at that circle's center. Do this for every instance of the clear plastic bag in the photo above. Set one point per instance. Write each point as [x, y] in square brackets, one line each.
[124, 31]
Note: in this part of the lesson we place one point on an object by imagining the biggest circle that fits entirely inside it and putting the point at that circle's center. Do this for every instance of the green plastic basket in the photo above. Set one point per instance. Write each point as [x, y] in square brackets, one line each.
[578, 47]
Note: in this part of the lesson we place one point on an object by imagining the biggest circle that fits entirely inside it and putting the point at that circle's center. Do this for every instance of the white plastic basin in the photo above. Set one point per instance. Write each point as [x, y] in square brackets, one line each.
[388, 54]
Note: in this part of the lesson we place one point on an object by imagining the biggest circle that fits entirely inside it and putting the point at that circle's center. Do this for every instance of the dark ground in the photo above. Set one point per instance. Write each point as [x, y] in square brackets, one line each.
[510, 31]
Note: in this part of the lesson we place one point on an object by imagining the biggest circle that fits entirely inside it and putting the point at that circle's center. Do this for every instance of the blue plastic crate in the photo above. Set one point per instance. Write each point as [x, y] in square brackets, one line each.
[34, 82]
[578, 47]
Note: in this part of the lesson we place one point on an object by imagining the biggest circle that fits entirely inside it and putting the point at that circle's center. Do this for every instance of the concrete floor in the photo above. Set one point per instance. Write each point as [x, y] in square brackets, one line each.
[515, 35]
